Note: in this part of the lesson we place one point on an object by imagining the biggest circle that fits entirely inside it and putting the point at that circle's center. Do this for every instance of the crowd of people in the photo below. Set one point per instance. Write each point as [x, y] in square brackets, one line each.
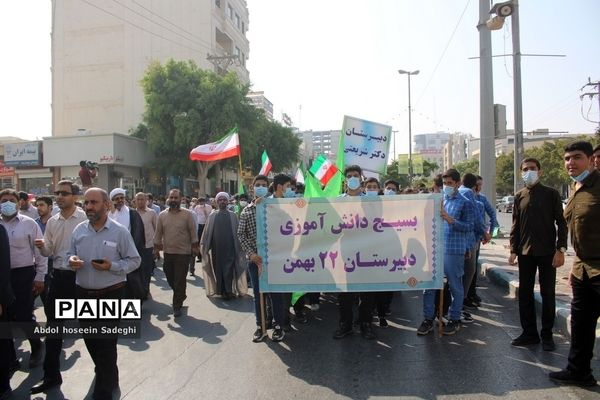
[101, 245]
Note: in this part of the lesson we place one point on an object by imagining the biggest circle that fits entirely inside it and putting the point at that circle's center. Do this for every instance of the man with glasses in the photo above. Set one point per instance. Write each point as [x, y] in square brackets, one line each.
[56, 244]
[28, 267]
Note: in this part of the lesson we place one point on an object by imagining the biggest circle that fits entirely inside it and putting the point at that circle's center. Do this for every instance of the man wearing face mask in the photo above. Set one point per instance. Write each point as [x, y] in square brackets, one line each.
[458, 214]
[353, 175]
[28, 267]
[223, 268]
[537, 245]
[177, 236]
[582, 214]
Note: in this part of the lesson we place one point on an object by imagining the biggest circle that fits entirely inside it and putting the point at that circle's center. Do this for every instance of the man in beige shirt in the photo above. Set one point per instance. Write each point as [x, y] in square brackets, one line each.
[150, 219]
[176, 235]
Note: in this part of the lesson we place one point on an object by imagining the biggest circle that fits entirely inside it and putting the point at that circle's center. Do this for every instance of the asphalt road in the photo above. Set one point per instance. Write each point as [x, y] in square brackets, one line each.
[207, 353]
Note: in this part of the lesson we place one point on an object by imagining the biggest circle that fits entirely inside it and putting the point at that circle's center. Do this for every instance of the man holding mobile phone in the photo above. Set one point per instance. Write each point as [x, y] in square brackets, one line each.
[102, 253]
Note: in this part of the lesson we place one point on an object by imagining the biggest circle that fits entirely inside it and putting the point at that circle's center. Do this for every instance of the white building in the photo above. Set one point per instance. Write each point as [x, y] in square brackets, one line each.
[320, 142]
[101, 49]
[259, 100]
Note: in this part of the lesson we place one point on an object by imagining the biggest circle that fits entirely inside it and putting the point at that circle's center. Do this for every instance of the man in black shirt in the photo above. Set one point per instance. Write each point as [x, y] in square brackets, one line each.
[537, 213]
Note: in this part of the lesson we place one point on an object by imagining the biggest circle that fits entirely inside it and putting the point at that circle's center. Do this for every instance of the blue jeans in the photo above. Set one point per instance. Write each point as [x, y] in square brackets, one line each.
[454, 270]
[276, 299]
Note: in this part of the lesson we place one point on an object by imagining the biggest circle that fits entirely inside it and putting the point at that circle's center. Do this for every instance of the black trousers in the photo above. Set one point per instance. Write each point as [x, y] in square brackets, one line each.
[365, 307]
[7, 354]
[62, 286]
[585, 311]
[103, 350]
[383, 299]
[528, 265]
[21, 309]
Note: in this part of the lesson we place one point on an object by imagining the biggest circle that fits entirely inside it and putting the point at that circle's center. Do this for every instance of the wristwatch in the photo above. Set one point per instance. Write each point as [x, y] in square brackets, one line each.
[562, 250]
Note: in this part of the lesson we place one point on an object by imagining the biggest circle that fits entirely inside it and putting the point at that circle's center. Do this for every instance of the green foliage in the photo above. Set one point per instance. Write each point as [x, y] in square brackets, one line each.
[505, 173]
[469, 165]
[187, 106]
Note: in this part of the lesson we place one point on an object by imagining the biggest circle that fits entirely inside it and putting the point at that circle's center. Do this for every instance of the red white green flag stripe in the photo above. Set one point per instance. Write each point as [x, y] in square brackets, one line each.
[227, 147]
[266, 164]
[323, 169]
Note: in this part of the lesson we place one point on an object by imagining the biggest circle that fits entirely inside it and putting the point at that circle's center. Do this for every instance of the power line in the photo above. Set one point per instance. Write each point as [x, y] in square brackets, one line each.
[142, 28]
[171, 23]
[162, 26]
[444, 52]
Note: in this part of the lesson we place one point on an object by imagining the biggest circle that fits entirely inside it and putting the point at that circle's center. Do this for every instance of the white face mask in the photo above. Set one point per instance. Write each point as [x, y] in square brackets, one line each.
[530, 177]
[243, 203]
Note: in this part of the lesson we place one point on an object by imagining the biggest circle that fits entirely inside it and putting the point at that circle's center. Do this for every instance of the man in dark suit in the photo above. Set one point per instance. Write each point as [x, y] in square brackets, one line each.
[131, 220]
[6, 298]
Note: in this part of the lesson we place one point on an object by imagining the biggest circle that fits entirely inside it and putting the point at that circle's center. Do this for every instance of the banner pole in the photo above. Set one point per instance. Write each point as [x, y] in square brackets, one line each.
[263, 319]
[441, 312]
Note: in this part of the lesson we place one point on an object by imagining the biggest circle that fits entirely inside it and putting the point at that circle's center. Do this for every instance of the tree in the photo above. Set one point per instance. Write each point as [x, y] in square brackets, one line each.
[505, 173]
[469, 165]
[187, 106]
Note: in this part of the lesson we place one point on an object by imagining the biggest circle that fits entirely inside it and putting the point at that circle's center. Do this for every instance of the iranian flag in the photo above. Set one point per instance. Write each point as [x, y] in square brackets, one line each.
[227, 147]
[323, 169]
[266, 164]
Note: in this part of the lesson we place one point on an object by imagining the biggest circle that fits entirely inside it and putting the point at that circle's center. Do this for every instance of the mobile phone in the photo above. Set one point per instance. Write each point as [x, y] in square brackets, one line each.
[98, 260]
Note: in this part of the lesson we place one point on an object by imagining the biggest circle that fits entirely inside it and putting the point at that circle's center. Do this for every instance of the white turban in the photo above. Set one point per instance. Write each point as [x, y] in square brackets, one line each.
[116, 192]
[222, 194]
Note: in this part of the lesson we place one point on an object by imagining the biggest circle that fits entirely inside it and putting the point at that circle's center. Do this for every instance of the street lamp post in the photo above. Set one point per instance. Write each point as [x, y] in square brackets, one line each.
[410, 166]
[502, 11]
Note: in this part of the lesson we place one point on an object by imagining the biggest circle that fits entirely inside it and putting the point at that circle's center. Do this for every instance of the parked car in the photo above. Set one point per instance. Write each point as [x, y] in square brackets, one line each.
[505, 204]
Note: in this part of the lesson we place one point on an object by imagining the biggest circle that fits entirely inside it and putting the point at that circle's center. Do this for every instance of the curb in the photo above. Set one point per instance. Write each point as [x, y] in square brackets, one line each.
[510, 283]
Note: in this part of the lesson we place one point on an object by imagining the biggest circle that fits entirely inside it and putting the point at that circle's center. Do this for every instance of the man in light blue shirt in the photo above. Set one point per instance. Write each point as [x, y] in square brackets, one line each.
[102, 253]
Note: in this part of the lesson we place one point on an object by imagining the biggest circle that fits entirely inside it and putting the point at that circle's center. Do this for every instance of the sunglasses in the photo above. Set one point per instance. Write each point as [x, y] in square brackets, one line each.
[62, 193]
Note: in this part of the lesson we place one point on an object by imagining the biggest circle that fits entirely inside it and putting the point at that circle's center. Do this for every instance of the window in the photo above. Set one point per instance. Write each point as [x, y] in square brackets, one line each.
[243, 27]
[218, 3]
[243, 59]
[230, 11]
[238, 52]
[238, 21]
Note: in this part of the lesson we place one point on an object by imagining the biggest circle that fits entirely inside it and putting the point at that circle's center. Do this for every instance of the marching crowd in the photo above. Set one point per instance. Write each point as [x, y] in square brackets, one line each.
[97, 245]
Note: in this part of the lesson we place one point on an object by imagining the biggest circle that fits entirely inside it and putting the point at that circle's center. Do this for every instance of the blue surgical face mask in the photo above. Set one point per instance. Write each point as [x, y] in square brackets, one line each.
[530, 177]
[8, 208]
[582, 176]
[289, 193]
[260, 191]
[372, 193]
[448, 190]
[389, 192]
[353, 183]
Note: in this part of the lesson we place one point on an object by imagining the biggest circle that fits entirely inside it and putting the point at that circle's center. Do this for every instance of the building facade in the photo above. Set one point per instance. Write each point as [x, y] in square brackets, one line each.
[101, 49]
[259, 100]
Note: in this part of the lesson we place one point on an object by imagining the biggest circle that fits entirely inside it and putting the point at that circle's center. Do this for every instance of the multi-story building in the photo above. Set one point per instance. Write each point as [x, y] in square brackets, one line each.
[456, 150]
[100, 50]
[320, 142]
[259, 100]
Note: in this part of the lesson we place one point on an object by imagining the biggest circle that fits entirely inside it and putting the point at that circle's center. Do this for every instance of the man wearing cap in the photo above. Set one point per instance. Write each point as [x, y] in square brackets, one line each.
[224, 266]
[131, 220]
[177, 236]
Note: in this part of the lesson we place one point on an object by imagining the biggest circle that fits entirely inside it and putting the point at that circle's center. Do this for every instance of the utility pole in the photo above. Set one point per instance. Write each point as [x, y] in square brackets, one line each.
[518, 97]
[592, 94]
[487, 149]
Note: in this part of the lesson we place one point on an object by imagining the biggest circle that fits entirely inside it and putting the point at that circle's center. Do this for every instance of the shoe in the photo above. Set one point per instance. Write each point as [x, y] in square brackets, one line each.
[177, 312]
[15, 365]
[301, 318]
[278, 334]
[258, 335]
[452, 327]
[525, 340]
[383, 323]
[548, 344]
[342, 331]
[466, 318]
[468, 303]
[366, 331]
[45, 385]
[426, 327]
[314, 307]
[192, 273]
[37, 354]
[569, 378]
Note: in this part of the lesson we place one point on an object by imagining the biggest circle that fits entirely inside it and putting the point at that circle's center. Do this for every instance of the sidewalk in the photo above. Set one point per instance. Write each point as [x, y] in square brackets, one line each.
[494, 265]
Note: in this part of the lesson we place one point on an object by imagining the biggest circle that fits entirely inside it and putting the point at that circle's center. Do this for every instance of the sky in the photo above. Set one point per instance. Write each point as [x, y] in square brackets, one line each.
[320, 60]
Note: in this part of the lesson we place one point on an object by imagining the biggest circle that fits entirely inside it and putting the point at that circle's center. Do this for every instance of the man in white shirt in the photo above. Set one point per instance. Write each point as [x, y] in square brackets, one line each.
[149, 218]
[202, 210]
